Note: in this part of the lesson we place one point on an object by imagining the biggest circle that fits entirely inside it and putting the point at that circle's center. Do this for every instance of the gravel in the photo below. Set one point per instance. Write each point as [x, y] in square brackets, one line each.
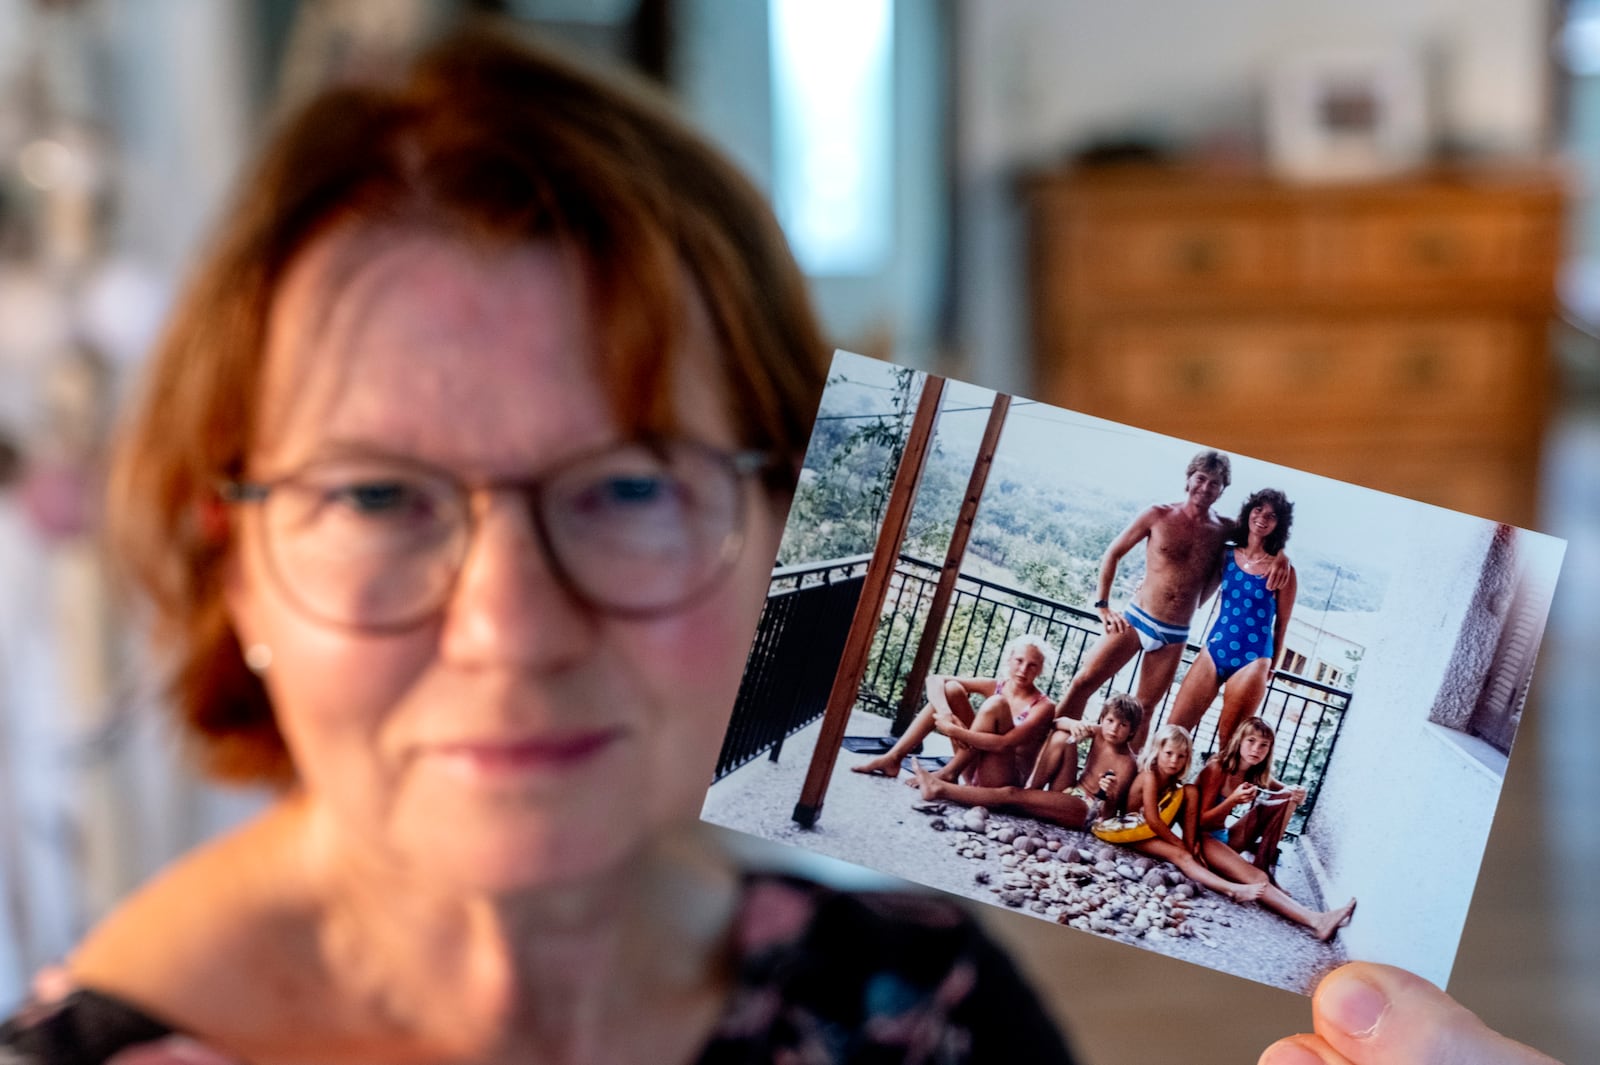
[1061, 876]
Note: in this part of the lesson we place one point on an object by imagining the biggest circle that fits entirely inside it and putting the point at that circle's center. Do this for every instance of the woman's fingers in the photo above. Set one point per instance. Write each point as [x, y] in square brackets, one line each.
[1367, 1014]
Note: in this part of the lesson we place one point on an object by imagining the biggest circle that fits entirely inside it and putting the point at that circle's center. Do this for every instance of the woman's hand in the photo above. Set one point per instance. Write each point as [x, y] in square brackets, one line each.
[1367, 1014]
[1244, 793]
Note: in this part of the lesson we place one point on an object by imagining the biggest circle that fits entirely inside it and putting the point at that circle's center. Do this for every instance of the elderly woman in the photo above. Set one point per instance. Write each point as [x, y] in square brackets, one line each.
[456, 490]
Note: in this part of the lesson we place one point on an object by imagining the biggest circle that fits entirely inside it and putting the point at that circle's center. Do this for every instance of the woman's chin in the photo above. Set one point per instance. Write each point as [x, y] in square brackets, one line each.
[513, 863]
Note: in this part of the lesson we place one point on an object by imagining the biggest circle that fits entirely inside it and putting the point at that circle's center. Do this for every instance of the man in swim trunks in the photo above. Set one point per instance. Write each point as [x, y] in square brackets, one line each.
[1183, 545]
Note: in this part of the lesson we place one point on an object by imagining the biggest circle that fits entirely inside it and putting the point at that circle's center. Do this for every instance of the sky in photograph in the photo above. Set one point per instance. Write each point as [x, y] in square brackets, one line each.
[1064, 451]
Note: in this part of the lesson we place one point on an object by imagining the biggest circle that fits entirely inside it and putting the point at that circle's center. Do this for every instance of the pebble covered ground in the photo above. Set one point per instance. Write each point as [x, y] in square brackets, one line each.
[1056, 874]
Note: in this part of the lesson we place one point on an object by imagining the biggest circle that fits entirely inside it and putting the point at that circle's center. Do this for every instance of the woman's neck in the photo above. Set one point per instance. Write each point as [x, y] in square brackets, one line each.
[570, 972]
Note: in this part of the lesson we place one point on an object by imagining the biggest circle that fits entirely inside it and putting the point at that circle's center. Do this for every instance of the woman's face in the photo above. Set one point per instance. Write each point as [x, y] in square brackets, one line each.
[1263, 520]
[516, 738]
[1253, 749]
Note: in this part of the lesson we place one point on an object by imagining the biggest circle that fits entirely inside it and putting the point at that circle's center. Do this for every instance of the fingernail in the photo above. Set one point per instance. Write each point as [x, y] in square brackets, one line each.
[1289, 1054]
[1354, 1005]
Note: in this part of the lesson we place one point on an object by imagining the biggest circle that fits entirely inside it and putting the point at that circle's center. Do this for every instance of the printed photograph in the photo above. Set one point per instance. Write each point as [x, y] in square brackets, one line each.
[1205, 705]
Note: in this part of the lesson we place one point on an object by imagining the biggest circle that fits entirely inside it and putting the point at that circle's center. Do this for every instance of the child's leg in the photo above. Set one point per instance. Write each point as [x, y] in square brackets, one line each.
[1192, 868]
[1058, 761]
[1260, 831]
[1066, 810]
[889, 763]
[993, 769]
[1322, 923]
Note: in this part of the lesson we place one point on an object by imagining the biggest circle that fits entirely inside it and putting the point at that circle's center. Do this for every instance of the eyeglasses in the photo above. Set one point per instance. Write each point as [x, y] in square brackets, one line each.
[637, 529]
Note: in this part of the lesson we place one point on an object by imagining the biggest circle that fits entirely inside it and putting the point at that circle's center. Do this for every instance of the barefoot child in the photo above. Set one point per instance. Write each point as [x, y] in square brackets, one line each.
[999, 743]
[1242, 776]
[1109, 753]
[1075, 800]
[1159, 796]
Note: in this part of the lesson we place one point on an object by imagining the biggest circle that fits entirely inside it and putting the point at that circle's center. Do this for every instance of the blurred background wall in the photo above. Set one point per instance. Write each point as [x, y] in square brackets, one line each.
[1410, 185]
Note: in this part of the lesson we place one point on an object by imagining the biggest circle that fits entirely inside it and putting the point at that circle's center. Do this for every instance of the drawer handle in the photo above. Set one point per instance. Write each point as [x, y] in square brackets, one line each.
[1435, 249]
[1194, 375]
[1309, 366]
[1199, 255]
[1421, 368]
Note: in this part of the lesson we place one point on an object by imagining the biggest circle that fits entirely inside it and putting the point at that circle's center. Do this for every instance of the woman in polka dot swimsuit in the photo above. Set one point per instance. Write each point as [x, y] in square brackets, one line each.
[1245, 643]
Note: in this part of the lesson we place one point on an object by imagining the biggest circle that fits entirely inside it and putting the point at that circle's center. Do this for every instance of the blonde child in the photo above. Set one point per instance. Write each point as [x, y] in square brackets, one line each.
[1160, 796]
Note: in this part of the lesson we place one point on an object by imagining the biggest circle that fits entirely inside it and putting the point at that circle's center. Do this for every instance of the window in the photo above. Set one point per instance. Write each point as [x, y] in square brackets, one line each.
[832, 134]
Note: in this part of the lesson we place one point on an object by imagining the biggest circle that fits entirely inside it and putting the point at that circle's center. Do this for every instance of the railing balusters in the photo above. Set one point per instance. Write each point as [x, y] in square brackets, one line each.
[796, 649]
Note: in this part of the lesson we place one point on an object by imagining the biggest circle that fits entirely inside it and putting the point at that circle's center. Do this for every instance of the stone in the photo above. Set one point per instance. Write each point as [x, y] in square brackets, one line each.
[982, 876]
[1013, 899]
[1005, 834]
[938, 824]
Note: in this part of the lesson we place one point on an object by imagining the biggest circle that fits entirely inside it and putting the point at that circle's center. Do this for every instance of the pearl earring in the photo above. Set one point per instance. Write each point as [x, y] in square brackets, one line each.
[258, 656]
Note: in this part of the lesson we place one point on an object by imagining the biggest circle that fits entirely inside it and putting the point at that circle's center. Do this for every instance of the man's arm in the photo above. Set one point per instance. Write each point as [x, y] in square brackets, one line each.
[1119, 548]
[1279, 573]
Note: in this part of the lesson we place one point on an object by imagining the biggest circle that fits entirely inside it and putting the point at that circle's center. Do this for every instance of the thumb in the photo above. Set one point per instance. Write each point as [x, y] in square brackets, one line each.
[1380, 1015]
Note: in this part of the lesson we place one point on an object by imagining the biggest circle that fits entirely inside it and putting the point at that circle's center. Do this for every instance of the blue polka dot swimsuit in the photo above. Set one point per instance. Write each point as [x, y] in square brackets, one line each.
[1242, 632]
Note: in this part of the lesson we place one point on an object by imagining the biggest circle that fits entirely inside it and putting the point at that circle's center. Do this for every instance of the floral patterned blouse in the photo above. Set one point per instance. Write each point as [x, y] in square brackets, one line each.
[822, 978]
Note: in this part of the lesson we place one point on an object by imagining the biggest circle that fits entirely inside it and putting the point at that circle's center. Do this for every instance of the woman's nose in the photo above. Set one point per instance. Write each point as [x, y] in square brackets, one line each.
[509, 606]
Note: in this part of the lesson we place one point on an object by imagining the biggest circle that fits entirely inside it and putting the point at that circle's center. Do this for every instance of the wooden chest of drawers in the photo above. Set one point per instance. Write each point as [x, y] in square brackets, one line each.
[1392, 334]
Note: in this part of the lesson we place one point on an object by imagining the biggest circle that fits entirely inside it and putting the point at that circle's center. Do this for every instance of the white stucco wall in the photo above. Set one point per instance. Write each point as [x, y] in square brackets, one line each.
[1406, 806]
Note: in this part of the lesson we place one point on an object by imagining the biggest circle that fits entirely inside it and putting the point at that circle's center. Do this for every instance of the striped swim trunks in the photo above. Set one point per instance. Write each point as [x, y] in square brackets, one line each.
[1153, 633]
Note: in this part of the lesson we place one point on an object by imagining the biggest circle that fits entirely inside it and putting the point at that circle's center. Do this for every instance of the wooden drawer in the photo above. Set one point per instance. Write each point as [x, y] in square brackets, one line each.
[1426, 247]
[1126, 255]
[1182, 377]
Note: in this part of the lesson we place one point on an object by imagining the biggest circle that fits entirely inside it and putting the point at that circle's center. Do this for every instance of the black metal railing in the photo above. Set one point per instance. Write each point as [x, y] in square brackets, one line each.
[793, 657]
[807, 616]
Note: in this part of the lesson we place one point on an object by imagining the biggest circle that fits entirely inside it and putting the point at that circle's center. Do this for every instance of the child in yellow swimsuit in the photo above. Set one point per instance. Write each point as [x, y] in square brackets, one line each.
[1160, 795]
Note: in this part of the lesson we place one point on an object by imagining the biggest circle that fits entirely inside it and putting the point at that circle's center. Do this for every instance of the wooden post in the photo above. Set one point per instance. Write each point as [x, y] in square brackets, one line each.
[911, 700]
[864, 623]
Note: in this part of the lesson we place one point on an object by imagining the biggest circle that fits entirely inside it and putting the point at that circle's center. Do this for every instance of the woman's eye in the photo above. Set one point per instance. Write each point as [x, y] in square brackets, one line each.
[631, 494]
[382, 499]
[634, 489]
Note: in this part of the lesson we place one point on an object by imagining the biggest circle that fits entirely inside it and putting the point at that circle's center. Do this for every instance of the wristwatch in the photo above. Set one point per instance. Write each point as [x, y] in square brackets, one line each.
[1101, 604]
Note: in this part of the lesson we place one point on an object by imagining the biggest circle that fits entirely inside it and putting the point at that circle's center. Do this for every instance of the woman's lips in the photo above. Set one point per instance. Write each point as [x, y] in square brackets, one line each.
[533, 754]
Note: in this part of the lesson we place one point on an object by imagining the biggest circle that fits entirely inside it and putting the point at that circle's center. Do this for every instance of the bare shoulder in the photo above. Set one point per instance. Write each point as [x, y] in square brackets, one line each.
[193, 945]
[1158, 513]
